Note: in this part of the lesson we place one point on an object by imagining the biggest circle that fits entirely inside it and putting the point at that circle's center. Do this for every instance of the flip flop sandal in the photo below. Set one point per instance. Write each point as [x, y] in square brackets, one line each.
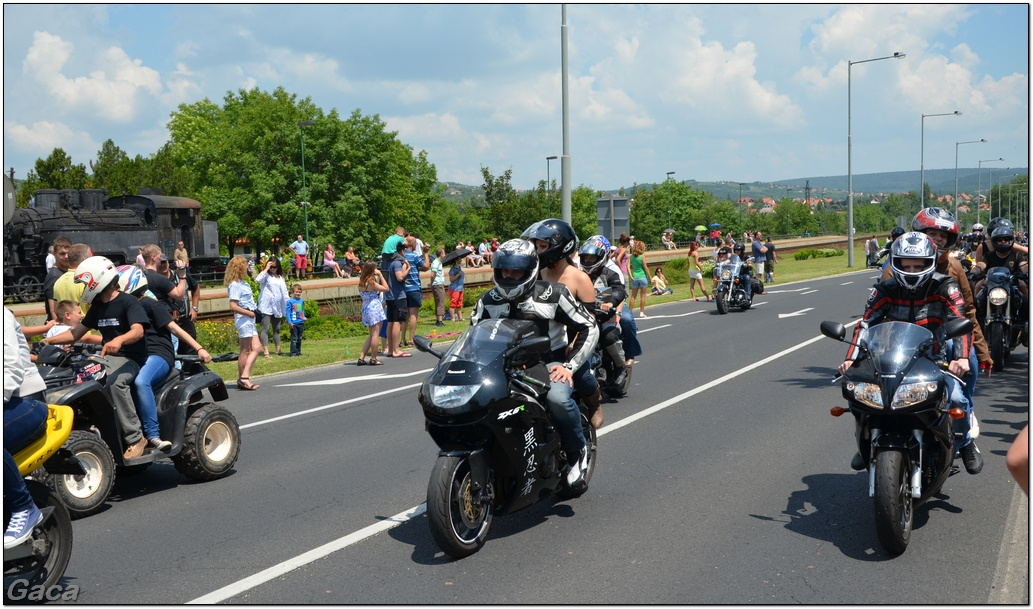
[361, 362]
[403, 354]
[248, 387]
[375, 362]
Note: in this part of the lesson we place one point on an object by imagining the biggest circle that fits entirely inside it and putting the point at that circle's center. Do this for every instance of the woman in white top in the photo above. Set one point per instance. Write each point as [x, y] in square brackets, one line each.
[272, 303]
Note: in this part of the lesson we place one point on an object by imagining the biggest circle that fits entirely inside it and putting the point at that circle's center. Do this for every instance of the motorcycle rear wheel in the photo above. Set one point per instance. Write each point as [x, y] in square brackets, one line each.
[459, 523]
[894, 507]
[52, 547]
[995, 340]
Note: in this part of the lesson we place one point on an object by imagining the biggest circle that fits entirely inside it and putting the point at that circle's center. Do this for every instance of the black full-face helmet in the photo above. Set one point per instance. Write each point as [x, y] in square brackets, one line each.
[594, 253]
[1003, 239]
[515, 255]
[560, 236]
[994, 224]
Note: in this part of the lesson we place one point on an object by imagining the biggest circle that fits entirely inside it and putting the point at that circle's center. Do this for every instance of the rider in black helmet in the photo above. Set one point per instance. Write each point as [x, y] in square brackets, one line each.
[518, 294]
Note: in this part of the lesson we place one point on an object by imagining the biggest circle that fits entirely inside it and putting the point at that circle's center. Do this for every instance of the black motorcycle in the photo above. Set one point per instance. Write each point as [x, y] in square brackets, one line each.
[205, 436]
[898, 393]
[1000, 312]
[731, 290]
[500, 451]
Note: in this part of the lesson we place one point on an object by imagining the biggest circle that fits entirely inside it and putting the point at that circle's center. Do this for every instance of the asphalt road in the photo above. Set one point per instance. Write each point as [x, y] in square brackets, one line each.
[721, 478]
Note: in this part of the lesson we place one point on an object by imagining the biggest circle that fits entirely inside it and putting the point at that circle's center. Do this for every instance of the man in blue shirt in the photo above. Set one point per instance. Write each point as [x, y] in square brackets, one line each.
[395, 302]
[418, 261]
[300, 248]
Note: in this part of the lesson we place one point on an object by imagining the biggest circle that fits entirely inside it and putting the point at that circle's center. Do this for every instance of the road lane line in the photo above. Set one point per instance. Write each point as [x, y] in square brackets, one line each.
[354, 379]
[308, 557]
[324, 550]
[656, 328]
[328, 406]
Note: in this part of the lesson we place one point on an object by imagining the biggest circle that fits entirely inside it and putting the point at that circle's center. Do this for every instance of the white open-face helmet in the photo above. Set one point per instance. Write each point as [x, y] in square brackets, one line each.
[96, 273]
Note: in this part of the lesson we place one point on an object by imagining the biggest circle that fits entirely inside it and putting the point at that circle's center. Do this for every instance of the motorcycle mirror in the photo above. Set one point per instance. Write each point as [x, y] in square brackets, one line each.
[834, 330]
[423, 344]
[957, 327]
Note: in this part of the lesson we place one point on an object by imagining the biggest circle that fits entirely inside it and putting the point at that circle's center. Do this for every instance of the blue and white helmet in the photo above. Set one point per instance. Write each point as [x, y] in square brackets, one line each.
[131, 279]
[597, 246]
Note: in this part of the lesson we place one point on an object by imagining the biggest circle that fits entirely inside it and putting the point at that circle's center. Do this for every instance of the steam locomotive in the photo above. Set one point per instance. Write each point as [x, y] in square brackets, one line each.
[116, 227]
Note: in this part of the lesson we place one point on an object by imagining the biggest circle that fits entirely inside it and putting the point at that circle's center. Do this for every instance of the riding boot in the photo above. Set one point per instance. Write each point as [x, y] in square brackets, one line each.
[616, 352]
[595, 409]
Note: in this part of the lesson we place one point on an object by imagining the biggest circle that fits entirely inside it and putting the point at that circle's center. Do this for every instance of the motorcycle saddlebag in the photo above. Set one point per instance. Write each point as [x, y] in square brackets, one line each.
[758, 286]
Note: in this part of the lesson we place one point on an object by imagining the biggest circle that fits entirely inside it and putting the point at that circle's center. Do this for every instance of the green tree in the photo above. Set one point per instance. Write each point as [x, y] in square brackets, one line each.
[56, 171]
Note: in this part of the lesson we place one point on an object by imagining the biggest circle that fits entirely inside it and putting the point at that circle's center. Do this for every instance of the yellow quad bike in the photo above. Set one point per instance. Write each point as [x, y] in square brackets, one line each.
[33, 569]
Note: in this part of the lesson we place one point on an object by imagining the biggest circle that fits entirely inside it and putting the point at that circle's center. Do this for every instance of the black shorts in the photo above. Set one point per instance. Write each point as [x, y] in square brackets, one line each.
[414, 300]
[396, 310]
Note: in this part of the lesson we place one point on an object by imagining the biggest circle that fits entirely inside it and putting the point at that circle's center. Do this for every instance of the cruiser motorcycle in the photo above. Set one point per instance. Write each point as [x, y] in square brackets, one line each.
[731, 288]
[500, 452]
[897, 391]
[1001, 314]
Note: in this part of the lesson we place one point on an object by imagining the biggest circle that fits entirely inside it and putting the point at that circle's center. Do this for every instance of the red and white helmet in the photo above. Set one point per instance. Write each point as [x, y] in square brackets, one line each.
[938, 219]
[97, 273]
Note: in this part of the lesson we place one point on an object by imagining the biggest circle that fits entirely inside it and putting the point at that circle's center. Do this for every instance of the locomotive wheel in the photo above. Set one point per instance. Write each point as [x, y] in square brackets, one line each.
[28, 289]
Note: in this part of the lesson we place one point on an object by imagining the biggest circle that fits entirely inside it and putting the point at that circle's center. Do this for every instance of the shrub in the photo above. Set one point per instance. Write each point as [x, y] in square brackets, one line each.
[806, 253]
[217, 337]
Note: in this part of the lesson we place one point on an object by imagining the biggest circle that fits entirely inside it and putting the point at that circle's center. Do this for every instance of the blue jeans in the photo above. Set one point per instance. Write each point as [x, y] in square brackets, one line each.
[567, 418]
[629, 333]
[296, 331]
[144, 385]
[963, 426]
[22, 421]
[584, 380]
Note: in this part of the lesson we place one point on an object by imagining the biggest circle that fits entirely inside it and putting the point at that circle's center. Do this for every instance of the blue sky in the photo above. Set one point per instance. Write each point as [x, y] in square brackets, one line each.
[711, 92]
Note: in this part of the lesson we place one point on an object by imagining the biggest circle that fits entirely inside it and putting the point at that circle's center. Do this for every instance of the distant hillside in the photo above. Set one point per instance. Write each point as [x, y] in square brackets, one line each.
[941, 181]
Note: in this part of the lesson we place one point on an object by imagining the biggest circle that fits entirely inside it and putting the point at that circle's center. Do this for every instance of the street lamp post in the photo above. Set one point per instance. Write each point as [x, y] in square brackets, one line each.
[669, 174]
[849, 157]
[1000, 197]
[741, 220]
[956, 144]
[979, 187]
[921, 186]
[304, 187]
[548, 179]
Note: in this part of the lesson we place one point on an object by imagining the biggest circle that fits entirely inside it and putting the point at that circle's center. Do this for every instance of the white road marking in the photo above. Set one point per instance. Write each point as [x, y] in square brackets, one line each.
[796, 314]
[671, 316]
[806, 293]
[324, 550]
[329, 406]
[847, 283]
[353, 379]
[656, 328]
[784, 291]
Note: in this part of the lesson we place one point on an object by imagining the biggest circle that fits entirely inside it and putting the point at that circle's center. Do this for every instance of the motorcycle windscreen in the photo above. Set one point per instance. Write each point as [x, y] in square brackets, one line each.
[468, 376]
[893, 344]
[729, 269]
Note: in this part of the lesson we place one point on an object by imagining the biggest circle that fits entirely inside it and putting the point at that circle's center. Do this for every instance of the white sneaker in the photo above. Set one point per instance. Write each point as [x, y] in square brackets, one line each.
[641, 314]
[577, 472]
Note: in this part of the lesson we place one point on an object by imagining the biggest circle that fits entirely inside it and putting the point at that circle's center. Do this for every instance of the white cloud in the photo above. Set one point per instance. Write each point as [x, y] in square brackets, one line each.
[43, 136]
[113, 91]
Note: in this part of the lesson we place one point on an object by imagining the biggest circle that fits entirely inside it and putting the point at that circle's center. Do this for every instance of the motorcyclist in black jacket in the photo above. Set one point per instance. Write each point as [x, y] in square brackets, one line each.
[518, 294]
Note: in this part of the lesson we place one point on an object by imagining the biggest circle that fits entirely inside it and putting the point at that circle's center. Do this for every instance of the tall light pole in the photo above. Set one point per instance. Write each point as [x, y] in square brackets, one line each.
[979, 188]
[921, 187]
[1000, 198]
[548, 179]
[669, 174]
[849, 157]
[304, 187]
[741, 220]
[956, 144]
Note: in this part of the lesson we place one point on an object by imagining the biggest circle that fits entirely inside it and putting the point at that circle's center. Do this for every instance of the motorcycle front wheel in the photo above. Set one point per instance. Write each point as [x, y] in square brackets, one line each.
[995, 340]
[722, 302]
[459, 521]
[894, 508]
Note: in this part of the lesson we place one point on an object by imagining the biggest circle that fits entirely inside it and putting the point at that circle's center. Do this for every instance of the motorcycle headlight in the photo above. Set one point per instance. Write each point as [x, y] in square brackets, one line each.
[910, 394]
[726, 274]
[866, 393]
[998, 296]
[452, 396]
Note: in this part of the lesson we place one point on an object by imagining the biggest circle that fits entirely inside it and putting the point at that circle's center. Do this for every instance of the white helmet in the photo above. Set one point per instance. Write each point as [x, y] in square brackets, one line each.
[131, 279]
[913, 246]
[97, 273]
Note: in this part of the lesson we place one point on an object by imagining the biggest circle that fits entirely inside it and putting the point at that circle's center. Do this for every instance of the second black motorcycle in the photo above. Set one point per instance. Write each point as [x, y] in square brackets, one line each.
[500, 451]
